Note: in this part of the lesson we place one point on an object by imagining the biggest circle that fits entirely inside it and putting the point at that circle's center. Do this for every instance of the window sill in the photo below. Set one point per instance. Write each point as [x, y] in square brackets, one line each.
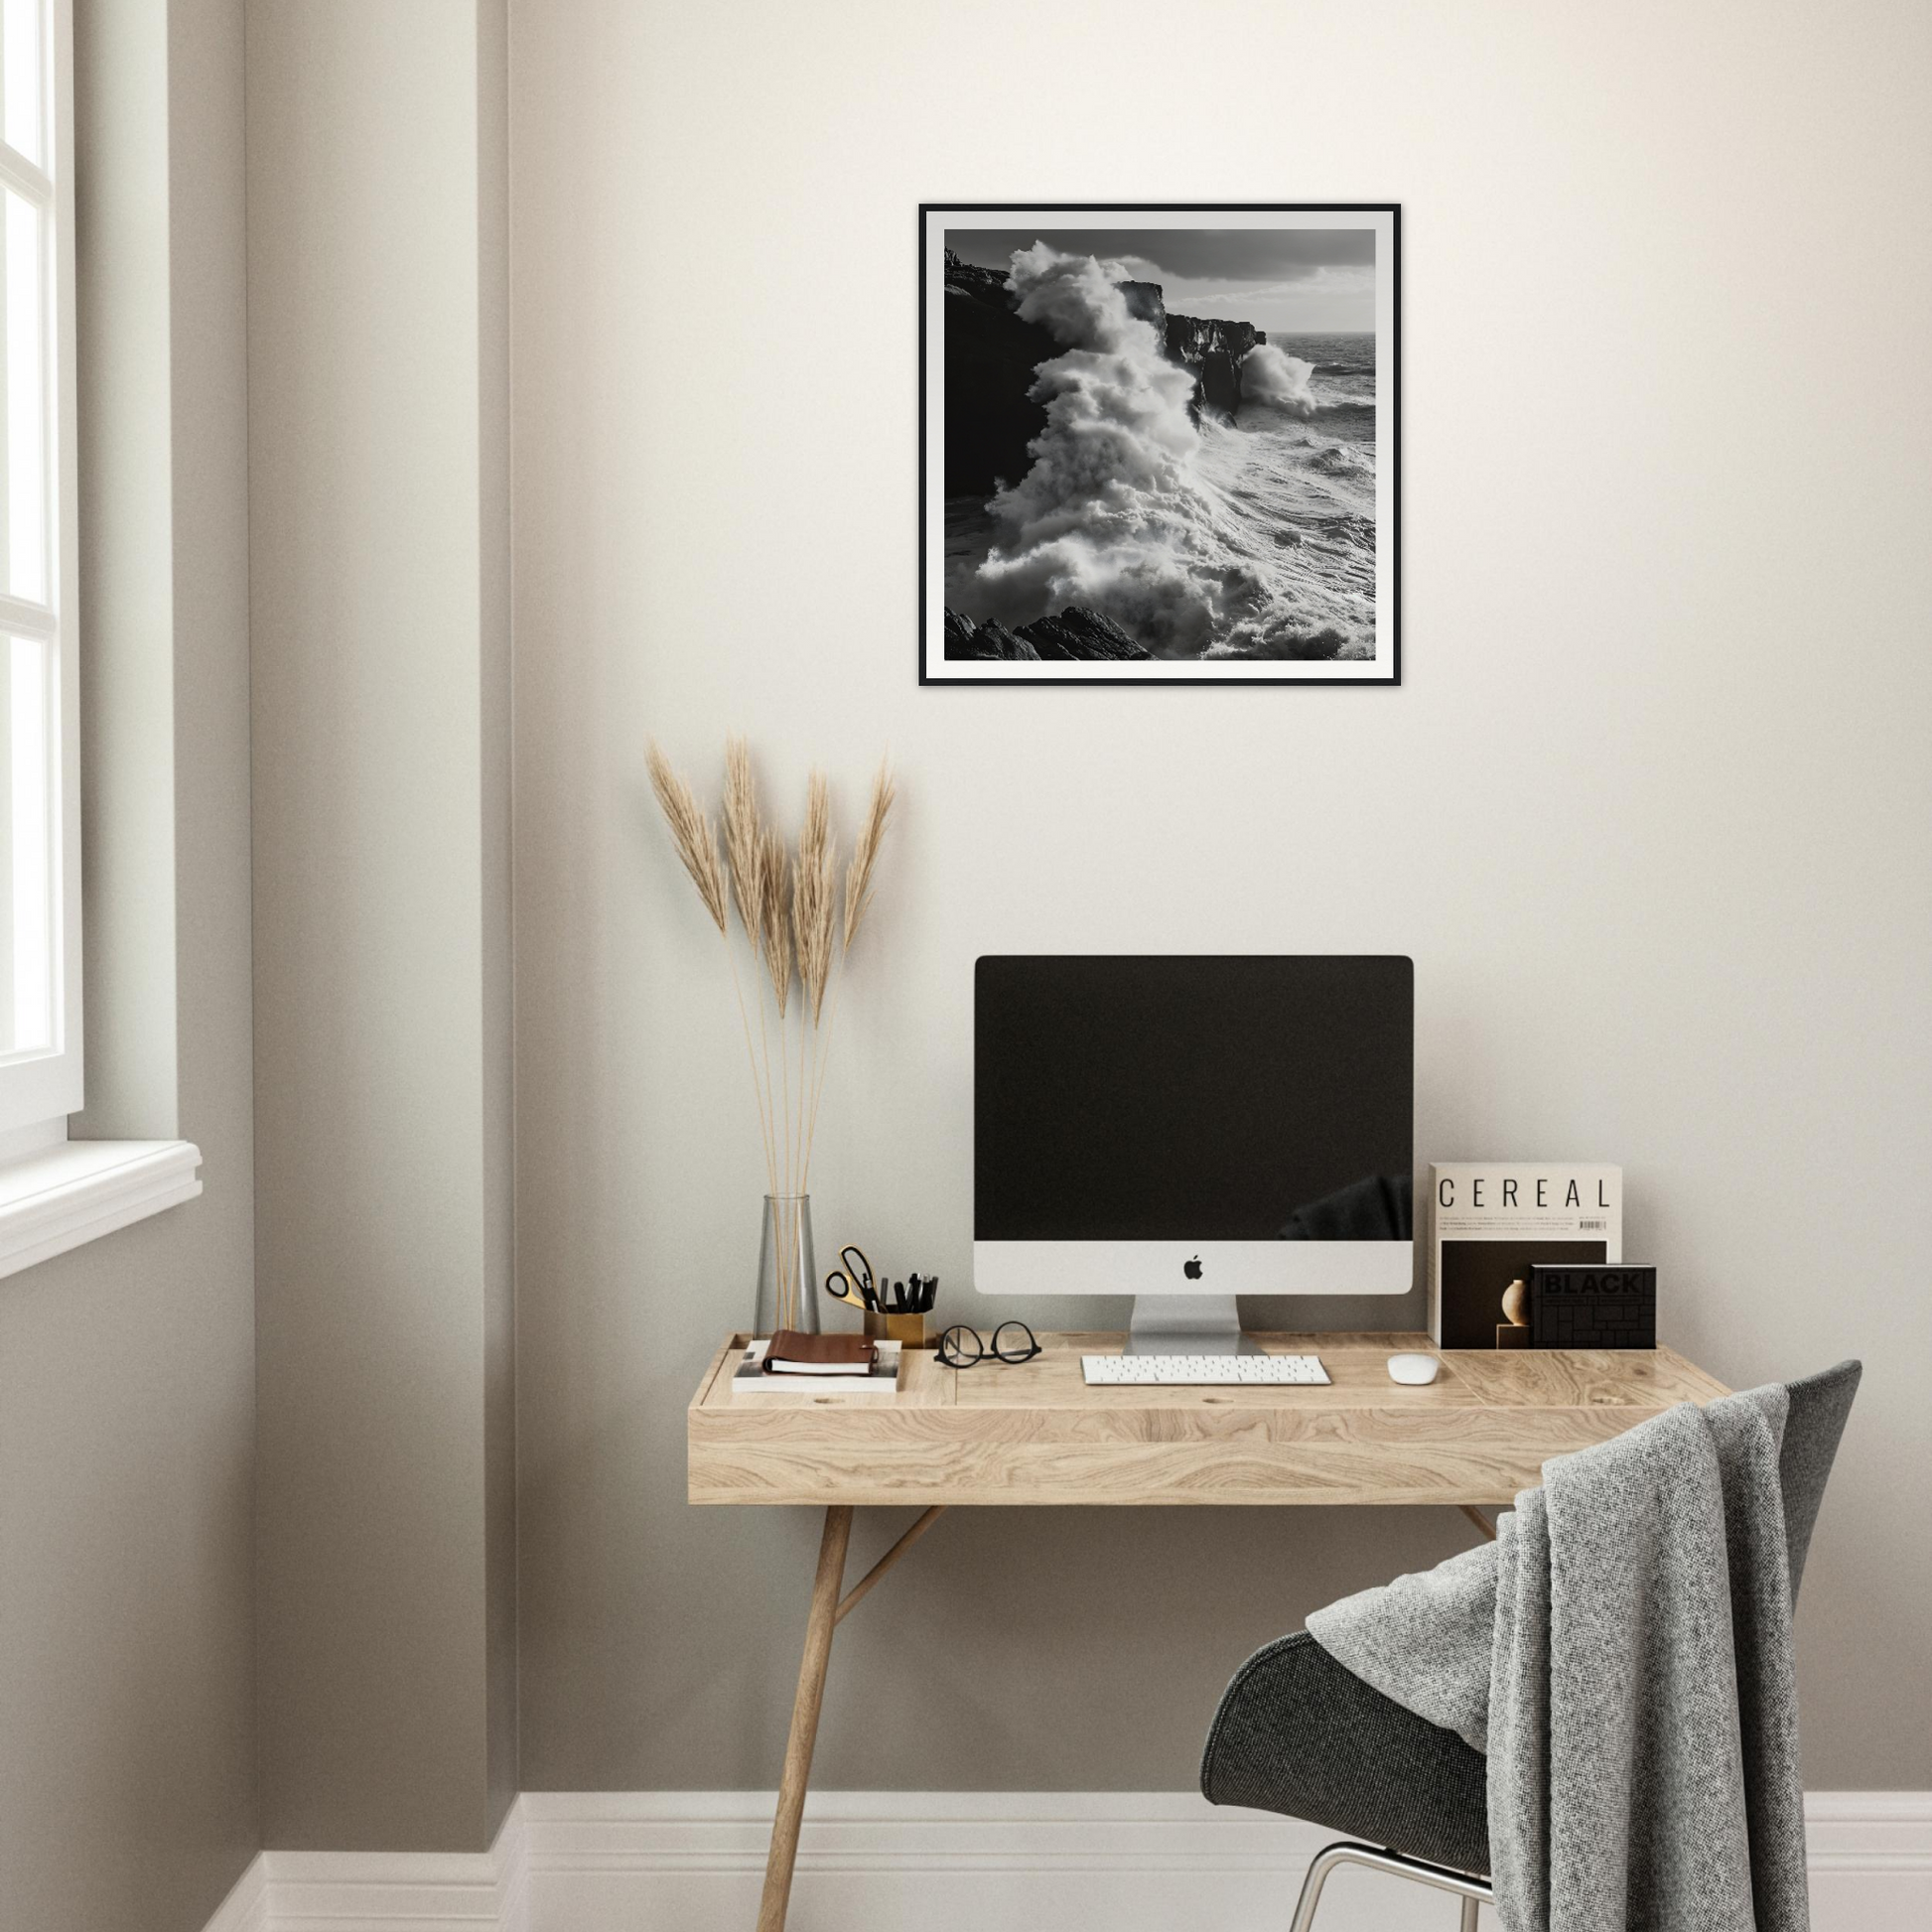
[78, 1191]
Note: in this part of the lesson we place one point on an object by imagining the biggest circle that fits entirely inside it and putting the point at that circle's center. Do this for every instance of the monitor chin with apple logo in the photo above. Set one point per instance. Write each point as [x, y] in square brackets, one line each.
[1184, 1129]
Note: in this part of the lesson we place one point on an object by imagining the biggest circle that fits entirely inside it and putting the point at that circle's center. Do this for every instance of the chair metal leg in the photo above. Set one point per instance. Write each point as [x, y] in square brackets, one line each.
[1473, 1892]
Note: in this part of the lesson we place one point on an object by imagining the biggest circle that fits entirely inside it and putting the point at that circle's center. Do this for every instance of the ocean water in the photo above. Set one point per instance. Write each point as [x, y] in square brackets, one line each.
[1297, 494]
[1250, 539]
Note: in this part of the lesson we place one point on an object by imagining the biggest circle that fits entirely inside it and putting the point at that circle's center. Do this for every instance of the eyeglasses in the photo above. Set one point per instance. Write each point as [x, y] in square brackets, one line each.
[1012, 1341]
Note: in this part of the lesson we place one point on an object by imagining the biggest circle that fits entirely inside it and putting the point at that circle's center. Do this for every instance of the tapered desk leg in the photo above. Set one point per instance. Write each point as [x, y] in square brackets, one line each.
[804, 1718]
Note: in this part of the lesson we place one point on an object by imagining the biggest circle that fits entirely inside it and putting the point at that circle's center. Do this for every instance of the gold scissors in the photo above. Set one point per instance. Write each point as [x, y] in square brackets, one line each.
[851, 1282]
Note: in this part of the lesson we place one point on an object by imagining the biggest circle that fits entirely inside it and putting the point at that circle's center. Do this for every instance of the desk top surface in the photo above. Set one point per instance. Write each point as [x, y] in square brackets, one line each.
[1035, 1434]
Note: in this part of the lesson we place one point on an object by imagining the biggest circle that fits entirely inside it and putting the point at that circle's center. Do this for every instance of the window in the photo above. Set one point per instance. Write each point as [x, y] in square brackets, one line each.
[54, 1193]
[40, 844]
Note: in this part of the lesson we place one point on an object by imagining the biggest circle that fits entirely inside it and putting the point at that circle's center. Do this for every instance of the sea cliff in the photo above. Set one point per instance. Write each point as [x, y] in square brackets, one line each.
[1213, 351]
[991, 356]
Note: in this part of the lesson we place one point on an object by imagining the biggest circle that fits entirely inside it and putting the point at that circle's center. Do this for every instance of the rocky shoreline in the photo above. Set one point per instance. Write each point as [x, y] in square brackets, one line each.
[1076, 635]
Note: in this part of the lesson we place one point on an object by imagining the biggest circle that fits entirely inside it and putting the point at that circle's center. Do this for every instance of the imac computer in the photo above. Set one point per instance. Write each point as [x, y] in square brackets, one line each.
[1184, 1130]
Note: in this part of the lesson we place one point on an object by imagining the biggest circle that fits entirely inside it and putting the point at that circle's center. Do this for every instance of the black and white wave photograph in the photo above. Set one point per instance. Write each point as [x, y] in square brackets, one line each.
[1159, 445]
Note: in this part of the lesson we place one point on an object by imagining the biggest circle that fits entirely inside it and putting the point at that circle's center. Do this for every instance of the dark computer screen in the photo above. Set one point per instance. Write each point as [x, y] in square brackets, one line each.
[1219, 1098]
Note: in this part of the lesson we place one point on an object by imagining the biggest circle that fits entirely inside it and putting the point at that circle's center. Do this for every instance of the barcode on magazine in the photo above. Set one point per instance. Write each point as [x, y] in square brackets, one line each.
[1600, 1225]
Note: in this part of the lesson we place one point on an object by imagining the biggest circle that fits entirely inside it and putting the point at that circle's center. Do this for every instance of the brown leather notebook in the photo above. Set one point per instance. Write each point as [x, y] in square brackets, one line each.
[793, 1354]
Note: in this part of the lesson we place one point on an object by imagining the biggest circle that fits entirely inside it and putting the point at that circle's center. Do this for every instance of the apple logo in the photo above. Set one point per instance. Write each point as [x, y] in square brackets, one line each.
[1191, 1268]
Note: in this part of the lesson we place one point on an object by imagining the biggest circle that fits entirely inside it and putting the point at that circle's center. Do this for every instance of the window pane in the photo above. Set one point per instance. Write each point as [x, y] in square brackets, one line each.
[20, 56]
[26, 849]
[26, 404]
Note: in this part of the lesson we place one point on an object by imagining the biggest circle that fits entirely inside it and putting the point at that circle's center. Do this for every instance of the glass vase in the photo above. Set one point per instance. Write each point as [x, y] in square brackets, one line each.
[787, 1270]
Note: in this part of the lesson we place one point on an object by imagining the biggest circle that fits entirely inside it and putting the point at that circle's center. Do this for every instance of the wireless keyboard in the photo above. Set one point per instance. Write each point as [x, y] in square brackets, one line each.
[1201, 1371]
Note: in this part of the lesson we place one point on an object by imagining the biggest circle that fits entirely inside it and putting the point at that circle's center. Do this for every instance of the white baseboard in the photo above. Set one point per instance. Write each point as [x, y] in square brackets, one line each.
[384, 1892]
[955, 1862]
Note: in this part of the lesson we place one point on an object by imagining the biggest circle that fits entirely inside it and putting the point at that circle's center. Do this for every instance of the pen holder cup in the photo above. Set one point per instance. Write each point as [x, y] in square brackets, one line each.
[906, 1329]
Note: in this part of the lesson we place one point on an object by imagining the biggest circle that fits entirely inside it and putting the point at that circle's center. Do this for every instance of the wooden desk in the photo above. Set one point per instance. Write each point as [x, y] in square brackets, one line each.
[1032, 1434]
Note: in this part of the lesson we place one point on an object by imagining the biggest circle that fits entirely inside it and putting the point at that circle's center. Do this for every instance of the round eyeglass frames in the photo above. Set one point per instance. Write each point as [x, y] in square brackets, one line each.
[963, 1347]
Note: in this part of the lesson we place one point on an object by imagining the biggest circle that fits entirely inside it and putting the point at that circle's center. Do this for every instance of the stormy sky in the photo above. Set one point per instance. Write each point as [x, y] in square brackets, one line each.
[1286, 280]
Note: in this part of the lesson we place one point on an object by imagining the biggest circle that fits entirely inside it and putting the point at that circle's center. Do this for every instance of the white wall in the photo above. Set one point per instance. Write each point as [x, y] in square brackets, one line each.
[1650, 810]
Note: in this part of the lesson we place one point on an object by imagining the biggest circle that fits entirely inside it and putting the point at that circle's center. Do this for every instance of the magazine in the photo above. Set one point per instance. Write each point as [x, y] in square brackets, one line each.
[1489, 1221]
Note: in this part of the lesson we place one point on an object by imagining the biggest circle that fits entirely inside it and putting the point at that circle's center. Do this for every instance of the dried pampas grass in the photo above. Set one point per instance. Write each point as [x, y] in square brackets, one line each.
[787, 911]
[864, 852]
[814, 896]
[743, 846]
[774, 917]
[691, 832]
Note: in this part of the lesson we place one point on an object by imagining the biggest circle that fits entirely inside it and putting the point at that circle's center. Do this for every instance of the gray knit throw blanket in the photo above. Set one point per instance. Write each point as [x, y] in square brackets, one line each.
[1622, 1652]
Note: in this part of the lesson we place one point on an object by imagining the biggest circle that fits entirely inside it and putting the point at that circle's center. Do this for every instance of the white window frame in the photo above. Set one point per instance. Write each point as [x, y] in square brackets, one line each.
[39, 1089]
[55, 1192]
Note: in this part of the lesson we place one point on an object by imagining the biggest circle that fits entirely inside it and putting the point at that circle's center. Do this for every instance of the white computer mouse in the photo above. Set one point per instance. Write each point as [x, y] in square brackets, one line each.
[1415, 1369]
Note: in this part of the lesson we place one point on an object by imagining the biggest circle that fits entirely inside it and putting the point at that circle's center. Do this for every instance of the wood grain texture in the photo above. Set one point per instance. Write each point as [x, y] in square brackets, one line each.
[820, 1621]
[857, 1594]
[1035, 1434]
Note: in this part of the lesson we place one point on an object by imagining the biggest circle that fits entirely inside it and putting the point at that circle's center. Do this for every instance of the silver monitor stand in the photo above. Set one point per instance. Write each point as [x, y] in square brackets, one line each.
[1186, 1325]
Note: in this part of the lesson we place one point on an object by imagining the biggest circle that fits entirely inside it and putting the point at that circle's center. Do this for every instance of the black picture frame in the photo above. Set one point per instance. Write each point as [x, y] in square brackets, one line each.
[936, 669]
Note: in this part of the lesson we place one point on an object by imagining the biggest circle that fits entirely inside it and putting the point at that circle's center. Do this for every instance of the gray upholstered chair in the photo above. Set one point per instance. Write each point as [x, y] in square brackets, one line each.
[1299, 1733]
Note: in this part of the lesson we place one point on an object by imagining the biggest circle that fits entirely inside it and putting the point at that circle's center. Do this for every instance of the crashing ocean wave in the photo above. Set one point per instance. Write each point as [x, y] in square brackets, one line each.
[1272, 375]
[1338, 460]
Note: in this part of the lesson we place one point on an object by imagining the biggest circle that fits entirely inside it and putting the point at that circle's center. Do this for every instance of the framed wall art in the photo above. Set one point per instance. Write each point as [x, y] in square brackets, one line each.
[1159, 445]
